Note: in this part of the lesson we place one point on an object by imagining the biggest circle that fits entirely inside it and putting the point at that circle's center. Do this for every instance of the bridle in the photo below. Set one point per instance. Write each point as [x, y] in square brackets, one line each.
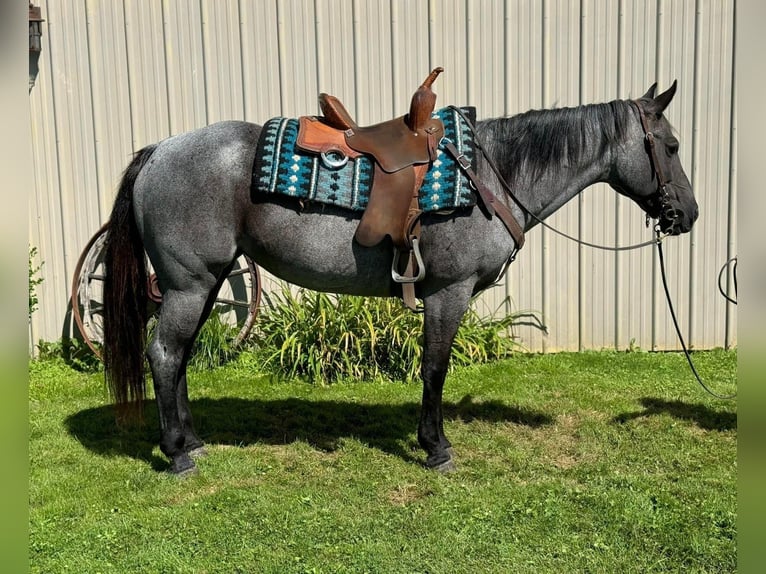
[661, 195]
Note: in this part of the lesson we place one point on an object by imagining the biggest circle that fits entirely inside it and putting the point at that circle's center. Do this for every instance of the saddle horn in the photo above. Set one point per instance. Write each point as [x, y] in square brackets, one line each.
[423, 102]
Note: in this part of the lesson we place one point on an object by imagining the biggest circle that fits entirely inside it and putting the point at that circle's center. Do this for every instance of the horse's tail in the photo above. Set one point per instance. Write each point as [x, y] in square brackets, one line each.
[125, 299]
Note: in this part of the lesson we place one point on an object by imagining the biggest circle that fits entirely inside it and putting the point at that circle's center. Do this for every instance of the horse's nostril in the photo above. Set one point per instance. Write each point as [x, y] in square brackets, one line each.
[673, 215]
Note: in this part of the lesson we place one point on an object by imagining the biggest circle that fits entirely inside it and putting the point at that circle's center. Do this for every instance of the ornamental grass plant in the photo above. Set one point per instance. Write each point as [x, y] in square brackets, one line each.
[326, 338]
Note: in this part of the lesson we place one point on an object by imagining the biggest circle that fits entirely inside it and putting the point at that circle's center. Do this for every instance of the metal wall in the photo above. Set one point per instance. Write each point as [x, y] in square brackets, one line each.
[116, 75]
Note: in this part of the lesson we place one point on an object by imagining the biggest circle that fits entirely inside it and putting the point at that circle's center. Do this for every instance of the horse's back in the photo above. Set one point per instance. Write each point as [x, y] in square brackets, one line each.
[191, 196]
[188, 164]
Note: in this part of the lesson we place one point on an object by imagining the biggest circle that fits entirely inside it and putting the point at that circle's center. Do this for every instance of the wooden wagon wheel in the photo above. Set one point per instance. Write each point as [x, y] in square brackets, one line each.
[237, 301]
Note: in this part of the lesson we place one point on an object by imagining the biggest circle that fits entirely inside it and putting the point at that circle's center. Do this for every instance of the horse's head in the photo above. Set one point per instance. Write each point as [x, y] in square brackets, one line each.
[650, 172]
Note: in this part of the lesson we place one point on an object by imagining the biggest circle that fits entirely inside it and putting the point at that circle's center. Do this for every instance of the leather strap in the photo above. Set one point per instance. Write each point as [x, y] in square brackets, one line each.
[387, 208]
[661, 181]
[488, 200]
[412, 230]
[408, 289]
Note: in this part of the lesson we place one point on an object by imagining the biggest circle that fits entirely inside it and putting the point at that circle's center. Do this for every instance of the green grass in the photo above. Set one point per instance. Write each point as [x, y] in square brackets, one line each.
[593, 462]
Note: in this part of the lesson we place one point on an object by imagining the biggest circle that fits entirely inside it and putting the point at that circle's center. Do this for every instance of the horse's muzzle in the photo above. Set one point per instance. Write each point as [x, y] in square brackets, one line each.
[674, 221]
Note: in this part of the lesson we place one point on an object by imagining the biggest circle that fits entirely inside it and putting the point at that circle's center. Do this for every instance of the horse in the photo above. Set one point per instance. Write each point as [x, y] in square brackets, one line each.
[187, 203]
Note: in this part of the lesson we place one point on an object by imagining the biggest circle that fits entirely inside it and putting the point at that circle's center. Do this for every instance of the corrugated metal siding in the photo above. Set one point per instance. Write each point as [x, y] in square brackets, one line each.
[118, 75]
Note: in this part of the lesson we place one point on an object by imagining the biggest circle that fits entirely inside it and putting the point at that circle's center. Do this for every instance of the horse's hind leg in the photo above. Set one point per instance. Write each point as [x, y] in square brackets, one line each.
[193, 445]
[181, 315]
[443, 312]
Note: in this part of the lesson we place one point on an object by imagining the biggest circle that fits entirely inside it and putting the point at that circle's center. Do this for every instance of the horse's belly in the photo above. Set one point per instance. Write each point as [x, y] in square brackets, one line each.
[317, 250]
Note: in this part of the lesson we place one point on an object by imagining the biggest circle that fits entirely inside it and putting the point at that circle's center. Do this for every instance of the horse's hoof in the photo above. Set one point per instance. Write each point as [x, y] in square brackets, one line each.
[198, 452]
[450, 451]
[446, 467]
[183, 466]
[186, 472]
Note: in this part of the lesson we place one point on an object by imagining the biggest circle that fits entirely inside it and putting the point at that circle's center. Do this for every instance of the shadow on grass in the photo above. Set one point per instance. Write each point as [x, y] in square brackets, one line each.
[322, 424]
[704, 417]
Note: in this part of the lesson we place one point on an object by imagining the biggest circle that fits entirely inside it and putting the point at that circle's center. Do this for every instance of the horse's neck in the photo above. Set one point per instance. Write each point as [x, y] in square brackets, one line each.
[554, 188]
[544, 192]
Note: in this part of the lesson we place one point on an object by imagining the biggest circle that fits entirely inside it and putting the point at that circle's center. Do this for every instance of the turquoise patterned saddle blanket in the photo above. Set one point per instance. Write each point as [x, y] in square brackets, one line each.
[280, 167]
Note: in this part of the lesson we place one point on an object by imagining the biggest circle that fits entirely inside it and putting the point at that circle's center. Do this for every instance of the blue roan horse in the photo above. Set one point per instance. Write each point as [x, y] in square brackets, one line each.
[187, 202]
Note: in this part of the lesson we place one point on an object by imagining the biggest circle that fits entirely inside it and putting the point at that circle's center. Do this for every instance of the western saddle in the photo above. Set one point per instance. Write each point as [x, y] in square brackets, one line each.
[402, 150]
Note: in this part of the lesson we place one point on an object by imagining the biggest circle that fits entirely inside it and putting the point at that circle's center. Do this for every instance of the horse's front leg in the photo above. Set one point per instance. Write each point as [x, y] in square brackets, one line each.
[443, 313]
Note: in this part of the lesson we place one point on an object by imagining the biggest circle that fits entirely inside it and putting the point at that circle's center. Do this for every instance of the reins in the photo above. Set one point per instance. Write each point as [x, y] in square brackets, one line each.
[724, 268]
[659, 235]
[678, 330]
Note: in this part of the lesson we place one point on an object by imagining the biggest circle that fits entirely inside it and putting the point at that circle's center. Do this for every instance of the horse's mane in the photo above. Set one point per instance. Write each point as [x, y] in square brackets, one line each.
[540, 140]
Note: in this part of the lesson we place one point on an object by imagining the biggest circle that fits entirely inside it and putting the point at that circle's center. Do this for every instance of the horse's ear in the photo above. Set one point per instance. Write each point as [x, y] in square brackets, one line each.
[661, 102]
[649, 95]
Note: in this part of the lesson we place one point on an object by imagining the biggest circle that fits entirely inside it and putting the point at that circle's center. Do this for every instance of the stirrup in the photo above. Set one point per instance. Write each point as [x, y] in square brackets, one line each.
[418, 259]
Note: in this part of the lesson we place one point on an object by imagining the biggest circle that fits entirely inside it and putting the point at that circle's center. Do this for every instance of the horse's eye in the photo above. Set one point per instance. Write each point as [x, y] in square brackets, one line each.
[672, 147]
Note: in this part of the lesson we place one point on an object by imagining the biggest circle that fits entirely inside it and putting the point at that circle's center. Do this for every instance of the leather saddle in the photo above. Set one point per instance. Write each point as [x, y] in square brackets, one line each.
[401, 150]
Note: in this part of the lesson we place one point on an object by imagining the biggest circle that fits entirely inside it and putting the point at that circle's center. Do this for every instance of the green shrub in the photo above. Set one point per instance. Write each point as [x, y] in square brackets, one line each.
[34, 281]
[214, 344]
[483, 340]
[326, 338]
[75, 353]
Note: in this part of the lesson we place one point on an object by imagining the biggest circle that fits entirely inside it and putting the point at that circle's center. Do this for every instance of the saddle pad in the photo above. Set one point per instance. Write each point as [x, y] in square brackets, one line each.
[280, 167]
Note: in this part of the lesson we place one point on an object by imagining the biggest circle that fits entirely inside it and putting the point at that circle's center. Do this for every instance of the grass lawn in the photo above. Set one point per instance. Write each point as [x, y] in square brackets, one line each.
[594, 462]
